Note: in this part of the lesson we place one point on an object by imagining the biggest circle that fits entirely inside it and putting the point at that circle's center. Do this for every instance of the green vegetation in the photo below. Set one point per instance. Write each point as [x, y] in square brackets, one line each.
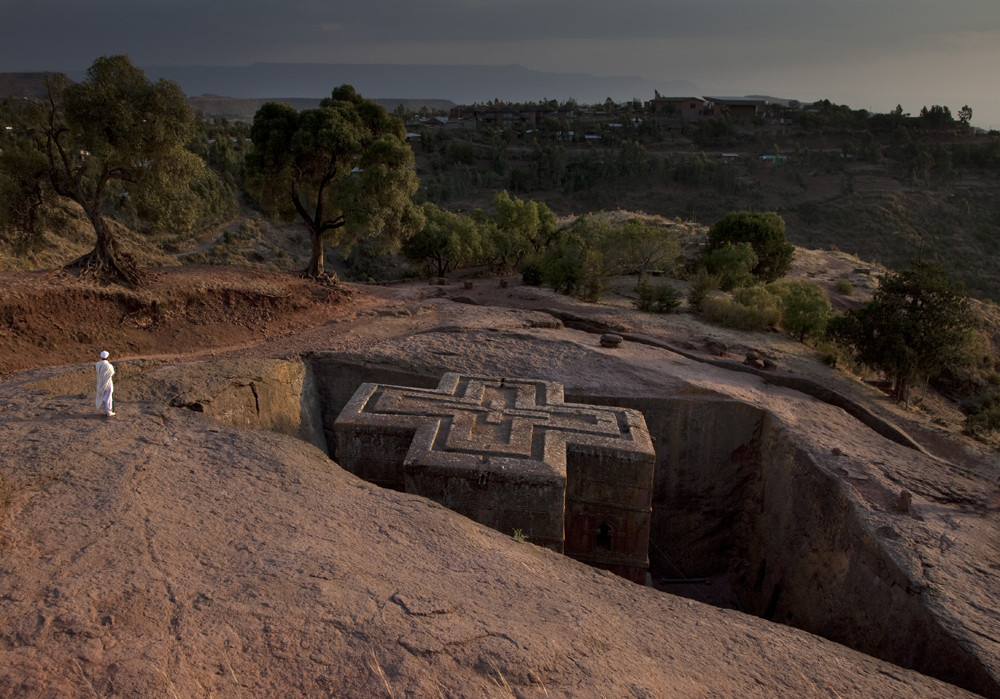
[446, 241]
[344, 169]
[750, 308]
[657, 298]
[644, 248]
[917, 323]
[805, 308]
[982, 413]
[877, 185]
[584, 258]
[765, 232]
[702, 283]
[521, 228]
[112, 143]
[845, 287]
[733, 264]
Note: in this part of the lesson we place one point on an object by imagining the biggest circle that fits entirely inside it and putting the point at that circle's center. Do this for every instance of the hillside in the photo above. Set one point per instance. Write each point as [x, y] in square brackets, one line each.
[853, 188]
[886, 187]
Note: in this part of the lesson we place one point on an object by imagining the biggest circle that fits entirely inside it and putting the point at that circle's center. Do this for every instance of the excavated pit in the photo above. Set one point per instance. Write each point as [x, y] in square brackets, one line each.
[742, 517]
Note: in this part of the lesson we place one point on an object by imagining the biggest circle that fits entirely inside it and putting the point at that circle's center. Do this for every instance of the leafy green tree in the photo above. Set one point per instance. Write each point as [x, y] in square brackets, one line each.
[522, 227]
[446, 241]
[805, 308]
[733, 263]
[578, 261]
[642, 248]
[765, 232]
[917, 323]
[113, 135]
[345, 169]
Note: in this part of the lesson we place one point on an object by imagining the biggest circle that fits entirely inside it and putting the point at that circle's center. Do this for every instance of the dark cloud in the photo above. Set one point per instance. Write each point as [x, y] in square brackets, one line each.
[775, 45]
[47, 31]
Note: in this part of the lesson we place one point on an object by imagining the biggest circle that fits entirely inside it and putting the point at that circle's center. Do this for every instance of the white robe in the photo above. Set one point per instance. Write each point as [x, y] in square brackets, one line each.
[105, 386]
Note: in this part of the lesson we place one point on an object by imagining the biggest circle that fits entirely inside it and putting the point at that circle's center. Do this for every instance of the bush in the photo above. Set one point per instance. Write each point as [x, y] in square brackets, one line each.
[753, 308]
[845, 287]
[805, 309]
[982, 413]
[532, 273]
[562, 269]
[702, 282]
[733, 263]
[581, 259]
[662, 298]
[597, 278]
[765, 232]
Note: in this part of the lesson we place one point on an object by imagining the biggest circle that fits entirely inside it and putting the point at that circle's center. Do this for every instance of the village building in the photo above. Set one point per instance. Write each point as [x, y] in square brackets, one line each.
[680, 107]
[739, 109]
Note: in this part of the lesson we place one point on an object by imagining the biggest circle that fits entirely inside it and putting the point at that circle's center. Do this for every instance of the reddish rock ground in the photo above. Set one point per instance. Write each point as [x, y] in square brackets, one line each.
[166, 554]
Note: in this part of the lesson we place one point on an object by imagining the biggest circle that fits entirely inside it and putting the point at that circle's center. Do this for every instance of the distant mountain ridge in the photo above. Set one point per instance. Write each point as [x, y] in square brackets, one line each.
[244, 108]
[459, 83]
[24, 85]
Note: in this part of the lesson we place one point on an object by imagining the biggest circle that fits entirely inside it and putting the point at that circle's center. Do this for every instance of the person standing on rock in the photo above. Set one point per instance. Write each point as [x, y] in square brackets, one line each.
[105, 386]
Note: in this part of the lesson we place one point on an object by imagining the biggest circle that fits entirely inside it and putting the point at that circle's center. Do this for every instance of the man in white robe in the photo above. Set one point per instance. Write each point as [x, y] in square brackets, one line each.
[105, 386]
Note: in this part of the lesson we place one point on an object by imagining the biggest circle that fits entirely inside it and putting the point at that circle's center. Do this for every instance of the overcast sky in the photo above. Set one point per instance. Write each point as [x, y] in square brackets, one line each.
[866, 53]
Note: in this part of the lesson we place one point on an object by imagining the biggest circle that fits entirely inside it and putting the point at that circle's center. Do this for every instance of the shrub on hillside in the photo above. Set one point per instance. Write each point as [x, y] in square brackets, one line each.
[918, 324]
[562, 268]
[598, 275]
[702, 283]
[732, 262]
[982, 413]
[753, 308]
[845, 287]
[765, 232]
[659, 298]
[532, 272]
[805, 308]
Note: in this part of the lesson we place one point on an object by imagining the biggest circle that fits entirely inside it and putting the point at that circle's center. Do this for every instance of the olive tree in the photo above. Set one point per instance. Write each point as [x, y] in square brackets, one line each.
[113, 135]
[345, 169]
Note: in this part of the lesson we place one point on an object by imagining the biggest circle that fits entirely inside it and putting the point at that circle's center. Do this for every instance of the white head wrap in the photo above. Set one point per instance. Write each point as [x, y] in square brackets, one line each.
[104, 355]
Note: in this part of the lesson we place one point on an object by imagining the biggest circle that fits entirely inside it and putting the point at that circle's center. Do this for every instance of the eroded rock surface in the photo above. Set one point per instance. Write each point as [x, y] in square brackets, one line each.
[203, 542]
[162, 553]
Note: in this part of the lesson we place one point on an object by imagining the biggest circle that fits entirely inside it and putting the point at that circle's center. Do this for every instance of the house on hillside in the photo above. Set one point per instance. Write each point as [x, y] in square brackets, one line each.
[682, 107]
[739, 109]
